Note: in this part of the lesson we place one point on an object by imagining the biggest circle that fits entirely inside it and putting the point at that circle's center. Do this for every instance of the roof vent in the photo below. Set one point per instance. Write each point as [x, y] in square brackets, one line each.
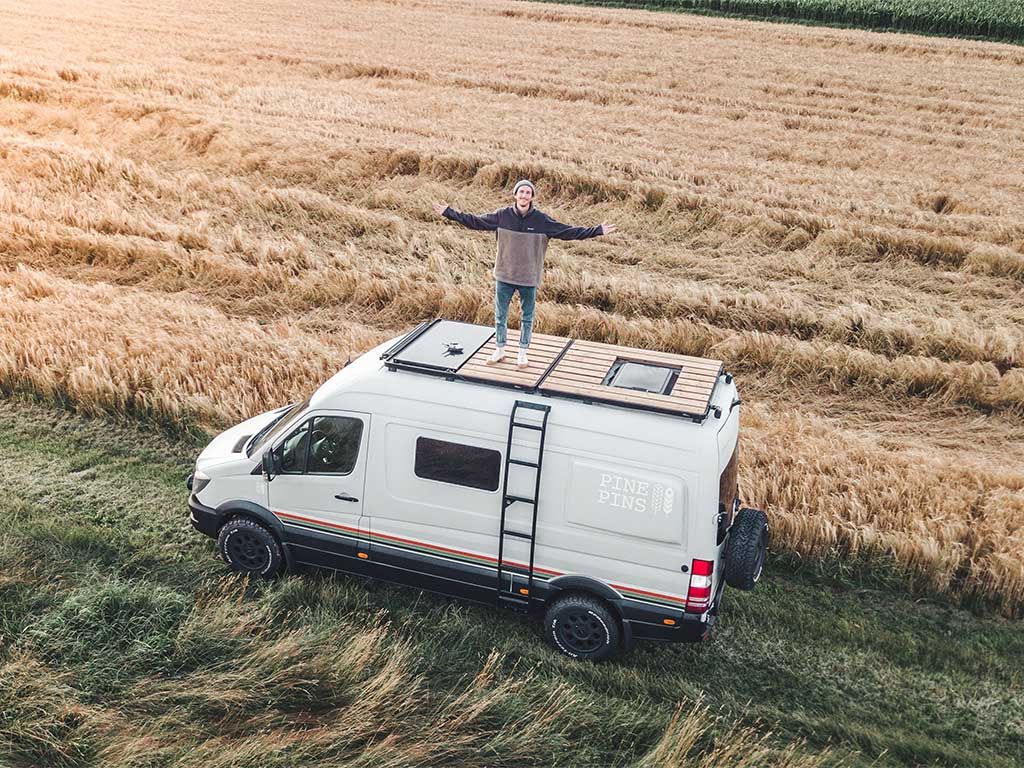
[643, 377]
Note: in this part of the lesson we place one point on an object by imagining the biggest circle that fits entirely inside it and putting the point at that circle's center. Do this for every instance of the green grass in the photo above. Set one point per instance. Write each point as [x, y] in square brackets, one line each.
[997, 20]
[123, 641]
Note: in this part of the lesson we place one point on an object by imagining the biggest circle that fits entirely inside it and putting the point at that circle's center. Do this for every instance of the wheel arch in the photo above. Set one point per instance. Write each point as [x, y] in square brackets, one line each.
[576, 583]
[252, 510]
[587, 585]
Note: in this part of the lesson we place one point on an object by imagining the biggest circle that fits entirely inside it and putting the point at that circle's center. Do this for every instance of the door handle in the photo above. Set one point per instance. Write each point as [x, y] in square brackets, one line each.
[345, 497]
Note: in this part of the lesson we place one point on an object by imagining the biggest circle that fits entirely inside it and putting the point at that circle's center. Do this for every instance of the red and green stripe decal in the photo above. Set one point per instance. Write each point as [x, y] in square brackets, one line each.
[413, 545]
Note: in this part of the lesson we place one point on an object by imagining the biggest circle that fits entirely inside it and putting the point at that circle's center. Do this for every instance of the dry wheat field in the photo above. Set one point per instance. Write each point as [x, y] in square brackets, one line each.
[205, 210]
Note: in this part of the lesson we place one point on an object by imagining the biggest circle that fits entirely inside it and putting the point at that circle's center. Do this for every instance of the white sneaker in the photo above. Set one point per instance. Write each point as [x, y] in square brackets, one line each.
[522, 361]
[496, 356]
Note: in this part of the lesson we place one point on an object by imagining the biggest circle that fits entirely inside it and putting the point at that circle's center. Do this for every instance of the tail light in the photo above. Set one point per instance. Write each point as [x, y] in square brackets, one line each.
[698, 599]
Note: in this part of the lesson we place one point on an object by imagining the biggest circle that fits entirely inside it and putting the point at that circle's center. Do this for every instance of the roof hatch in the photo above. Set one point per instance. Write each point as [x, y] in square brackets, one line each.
[642, 377]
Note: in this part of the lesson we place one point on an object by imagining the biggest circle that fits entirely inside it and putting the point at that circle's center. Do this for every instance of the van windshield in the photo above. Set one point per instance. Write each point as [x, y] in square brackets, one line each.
[278, 423]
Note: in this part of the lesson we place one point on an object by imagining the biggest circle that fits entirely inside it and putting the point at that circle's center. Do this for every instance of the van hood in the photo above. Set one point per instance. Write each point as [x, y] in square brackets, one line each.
[229, 445]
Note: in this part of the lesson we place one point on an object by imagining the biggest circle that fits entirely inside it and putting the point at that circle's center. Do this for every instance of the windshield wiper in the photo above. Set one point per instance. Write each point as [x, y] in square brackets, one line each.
[254, 440]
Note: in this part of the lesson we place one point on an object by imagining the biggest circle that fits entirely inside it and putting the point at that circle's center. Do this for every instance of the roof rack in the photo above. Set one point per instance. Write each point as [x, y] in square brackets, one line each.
[590, 371]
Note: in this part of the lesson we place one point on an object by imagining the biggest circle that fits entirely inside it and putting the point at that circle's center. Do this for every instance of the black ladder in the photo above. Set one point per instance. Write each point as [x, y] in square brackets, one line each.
[510, 598]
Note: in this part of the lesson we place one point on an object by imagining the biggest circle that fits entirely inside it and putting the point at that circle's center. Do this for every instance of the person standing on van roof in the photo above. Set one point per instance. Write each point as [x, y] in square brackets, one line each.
[522, 233]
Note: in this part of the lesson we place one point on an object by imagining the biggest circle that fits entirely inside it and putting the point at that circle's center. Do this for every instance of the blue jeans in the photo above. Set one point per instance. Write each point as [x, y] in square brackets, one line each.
[502, 296]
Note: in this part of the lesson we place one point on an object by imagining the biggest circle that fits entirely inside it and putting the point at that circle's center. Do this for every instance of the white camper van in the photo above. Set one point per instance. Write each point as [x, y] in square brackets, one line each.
[596, 486]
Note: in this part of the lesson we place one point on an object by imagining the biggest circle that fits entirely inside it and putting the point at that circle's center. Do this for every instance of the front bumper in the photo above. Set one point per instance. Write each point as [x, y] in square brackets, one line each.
[204, 519]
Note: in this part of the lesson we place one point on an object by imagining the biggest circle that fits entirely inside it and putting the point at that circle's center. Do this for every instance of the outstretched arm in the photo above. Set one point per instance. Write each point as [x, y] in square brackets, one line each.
[560, 231]
[488, 222]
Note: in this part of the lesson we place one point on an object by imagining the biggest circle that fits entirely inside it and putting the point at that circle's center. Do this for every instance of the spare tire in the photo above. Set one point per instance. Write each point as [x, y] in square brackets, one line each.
[746, 549]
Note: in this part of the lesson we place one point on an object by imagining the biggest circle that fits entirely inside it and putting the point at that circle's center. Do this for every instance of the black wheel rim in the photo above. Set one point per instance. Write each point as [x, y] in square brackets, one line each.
[247, 551]
[580, 632]
[761, 550]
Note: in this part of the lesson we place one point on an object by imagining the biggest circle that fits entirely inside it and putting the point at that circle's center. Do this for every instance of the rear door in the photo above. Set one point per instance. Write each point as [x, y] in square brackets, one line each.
[318, 494]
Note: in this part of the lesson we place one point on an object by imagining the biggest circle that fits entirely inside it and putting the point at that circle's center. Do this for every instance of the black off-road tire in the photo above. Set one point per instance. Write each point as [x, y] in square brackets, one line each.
[582, 627]
[248, 547]
[747, 548]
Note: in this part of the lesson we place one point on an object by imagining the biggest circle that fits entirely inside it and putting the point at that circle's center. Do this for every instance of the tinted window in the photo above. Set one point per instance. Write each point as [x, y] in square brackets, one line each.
[334, 444]
[459, 464]
[276, 425]
[728, 490]
[293, 450]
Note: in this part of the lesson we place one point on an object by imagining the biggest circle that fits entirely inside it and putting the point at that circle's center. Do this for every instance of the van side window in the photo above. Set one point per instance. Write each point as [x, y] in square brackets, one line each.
[728, 490]
[334, 445]
[457, 463]
[293, 450]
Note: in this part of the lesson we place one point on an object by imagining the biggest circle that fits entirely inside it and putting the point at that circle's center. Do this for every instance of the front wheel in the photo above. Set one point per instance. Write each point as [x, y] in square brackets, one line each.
[746, 549]
[250, 548]
[582, 627]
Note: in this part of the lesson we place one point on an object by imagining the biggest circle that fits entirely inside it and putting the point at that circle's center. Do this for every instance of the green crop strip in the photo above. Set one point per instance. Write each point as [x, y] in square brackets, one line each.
[996, 20]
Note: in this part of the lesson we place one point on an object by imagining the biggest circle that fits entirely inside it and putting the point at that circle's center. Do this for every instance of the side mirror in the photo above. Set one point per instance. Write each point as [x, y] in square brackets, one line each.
[268, 464]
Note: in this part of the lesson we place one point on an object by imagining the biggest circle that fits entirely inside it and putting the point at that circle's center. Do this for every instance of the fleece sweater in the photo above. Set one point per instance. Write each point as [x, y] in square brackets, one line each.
[522, 240]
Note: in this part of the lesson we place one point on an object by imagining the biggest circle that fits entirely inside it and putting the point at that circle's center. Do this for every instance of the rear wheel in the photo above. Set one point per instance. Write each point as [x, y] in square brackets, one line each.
[582, 627]
[249, 547]
[746, 549]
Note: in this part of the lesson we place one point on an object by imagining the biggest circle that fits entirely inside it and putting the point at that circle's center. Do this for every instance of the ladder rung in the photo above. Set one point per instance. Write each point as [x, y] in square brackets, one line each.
[534, 406]
[520, 602]
[518, 535]
[509, 499]
[524, 463]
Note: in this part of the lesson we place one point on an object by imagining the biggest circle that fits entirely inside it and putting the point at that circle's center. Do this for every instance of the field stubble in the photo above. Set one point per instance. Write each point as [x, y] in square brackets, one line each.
[212, 229]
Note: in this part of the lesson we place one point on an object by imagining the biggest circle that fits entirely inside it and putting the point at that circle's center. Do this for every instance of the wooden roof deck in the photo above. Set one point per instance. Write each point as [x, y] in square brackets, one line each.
[542, 353]
[582, 370]
[578, 369]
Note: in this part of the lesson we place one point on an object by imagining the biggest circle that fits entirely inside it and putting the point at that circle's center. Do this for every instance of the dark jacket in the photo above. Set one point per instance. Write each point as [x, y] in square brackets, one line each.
[522, 240]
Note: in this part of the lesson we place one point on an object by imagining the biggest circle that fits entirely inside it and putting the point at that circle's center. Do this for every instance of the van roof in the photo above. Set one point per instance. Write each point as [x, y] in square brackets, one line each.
[590, 371]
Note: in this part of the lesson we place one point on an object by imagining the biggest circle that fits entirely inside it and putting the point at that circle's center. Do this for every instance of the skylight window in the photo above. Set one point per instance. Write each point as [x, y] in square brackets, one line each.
[642, 377]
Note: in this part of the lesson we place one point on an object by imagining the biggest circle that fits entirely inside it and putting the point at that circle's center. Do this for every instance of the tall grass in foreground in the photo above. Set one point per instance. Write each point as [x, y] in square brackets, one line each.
[130, 673]
[110, 600]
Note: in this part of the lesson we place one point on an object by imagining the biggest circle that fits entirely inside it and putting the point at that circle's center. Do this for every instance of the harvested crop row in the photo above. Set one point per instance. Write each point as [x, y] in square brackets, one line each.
[105, 349]
[708, 114]
[407, 295]
[122, 248]
[953, 528]
[66, 180]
